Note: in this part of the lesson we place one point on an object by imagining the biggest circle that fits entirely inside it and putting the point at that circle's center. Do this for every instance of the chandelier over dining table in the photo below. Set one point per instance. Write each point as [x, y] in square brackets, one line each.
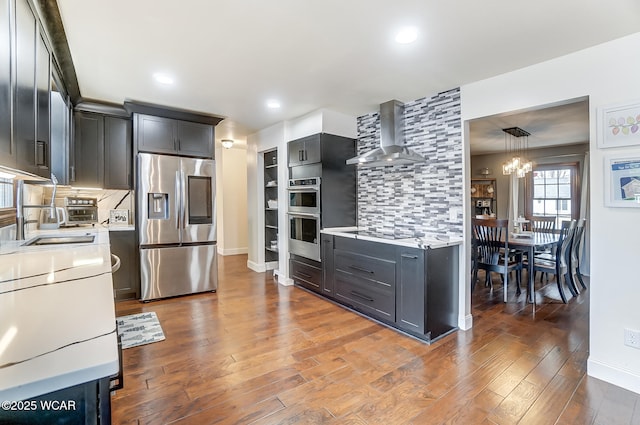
[516, 145]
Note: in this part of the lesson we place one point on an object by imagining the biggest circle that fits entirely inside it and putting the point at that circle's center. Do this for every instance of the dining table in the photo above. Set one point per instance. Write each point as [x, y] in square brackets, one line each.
[529, 243]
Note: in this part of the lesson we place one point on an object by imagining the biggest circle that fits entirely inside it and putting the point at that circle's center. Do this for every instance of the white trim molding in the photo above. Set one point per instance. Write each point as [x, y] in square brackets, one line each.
[621, 378]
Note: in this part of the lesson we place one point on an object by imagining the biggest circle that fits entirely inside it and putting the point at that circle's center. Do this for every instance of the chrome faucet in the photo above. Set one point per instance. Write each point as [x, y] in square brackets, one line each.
[18, 187]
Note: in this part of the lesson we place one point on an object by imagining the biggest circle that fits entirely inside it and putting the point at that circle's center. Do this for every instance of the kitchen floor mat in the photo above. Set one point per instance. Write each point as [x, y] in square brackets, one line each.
[139, 329]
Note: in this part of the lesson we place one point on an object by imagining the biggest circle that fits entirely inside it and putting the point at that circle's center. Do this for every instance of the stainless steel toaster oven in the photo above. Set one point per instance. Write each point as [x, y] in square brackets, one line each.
[81, 210]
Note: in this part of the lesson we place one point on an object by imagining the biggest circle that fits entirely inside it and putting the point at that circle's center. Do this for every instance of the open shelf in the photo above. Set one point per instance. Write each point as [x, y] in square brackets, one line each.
[270, 214]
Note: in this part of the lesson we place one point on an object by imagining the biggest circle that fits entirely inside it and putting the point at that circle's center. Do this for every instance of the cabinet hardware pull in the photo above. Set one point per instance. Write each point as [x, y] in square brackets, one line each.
[73, 173]
[364, 297]
[41, 153]
[300, 155]
[308, 276]
[360, 269]
[413, 257]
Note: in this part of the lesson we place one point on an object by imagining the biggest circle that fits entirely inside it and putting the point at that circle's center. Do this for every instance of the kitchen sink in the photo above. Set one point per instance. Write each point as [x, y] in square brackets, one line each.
[60, 240]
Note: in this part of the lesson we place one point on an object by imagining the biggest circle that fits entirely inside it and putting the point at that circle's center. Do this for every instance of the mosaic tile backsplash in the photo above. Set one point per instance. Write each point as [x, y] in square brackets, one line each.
[415, 200]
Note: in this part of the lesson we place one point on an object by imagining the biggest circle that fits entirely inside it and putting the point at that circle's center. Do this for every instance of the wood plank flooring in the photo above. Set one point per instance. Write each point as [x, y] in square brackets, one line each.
[256, 352]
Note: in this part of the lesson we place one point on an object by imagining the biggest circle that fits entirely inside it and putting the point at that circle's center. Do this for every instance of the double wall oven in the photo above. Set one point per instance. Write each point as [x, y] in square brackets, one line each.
[303, 213]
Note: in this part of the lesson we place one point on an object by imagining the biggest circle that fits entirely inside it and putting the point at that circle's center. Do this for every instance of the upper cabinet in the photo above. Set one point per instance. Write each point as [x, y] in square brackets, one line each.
[25, 89]
[31, 119]
[305, 151]
[172, 136]
[102, 148]
[117, 153]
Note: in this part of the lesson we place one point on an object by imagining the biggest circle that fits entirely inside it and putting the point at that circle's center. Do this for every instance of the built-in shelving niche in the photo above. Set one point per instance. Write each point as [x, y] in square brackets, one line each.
[271, 208]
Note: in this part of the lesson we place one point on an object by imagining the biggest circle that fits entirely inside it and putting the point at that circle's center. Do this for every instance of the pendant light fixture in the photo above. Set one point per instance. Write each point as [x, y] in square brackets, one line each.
[516, 145]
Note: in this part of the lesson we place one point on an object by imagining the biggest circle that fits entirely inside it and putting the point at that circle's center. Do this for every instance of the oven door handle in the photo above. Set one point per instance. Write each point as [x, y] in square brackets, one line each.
[303, 188]
[303, 215]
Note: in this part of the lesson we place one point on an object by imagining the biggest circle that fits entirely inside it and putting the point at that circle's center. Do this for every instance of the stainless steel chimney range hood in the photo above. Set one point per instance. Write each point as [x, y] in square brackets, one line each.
[392, 150]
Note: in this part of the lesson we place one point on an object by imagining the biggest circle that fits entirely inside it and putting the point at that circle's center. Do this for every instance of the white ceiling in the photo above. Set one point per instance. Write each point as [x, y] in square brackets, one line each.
[550, 125]
[229, 56]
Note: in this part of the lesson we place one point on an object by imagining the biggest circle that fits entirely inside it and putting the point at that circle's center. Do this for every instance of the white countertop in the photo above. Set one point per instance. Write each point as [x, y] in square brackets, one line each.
[57, 314]
[428, 241]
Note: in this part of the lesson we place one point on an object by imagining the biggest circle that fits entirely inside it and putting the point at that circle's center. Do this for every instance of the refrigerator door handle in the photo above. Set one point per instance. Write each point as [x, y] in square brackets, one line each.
[178, 202]
[183, 196]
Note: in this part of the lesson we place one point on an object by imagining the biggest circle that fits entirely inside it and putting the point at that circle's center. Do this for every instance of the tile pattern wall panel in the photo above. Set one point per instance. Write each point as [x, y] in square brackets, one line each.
[108, 199]
[415, 200]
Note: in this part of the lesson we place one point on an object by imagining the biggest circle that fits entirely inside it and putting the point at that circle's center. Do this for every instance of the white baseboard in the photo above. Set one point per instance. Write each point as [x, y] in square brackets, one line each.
[271, 265]
[284, 281]
[256, 267]
[619, 377]
[232, 251]
[465, 322]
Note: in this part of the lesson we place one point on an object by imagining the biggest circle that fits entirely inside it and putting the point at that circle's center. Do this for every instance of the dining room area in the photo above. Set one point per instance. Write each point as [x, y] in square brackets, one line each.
[529, 206]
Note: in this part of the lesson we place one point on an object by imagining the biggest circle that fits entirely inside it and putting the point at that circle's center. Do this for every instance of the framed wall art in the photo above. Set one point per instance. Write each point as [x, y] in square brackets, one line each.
[622, 180]
[619, 125]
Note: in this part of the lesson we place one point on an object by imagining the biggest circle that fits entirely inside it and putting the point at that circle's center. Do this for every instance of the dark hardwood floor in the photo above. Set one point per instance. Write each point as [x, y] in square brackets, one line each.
[257, 352]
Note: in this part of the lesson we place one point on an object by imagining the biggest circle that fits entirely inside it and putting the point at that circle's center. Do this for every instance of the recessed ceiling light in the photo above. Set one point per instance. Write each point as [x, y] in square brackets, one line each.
[407, 35]
[162, 78]
[273, 104]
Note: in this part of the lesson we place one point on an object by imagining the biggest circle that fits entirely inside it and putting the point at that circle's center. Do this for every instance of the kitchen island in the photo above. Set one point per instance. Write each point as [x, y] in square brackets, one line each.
[410, 284]
[58, 337]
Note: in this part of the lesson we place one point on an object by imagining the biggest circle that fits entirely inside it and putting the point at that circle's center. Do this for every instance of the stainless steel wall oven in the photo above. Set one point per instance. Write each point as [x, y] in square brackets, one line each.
[304, 235]
[304, 195]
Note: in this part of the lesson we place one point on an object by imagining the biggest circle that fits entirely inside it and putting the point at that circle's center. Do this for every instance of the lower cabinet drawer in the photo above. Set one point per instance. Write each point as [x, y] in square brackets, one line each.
[371, 297]
[306, 275]
[365, 266]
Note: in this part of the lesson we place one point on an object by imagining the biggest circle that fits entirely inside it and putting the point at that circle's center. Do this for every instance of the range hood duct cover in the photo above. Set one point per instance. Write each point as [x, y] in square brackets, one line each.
[392, 150]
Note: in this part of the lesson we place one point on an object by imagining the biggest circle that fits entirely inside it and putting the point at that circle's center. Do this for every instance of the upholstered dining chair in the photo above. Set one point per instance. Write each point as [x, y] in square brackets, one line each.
[491, 253]
[558, 262]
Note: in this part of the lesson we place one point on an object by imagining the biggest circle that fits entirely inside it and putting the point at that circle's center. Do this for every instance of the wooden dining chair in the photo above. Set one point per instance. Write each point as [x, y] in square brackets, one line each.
[491, 253]
[574, 263]
[542, 223]
[557, 263]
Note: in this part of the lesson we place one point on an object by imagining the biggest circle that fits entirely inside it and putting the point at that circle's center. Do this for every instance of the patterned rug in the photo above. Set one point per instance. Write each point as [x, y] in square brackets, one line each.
[139, 329]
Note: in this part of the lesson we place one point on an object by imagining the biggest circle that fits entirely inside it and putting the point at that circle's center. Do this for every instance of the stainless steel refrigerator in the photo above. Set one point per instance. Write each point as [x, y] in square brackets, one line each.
[176, 225]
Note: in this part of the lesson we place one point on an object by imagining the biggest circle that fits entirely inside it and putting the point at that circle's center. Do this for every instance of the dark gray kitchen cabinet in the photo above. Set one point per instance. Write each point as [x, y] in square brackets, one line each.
[410, 289]
[156, 134]
[43, 105]
[126, 281]
[31, 115]
[195, 139]
[24, 98]
[410, 302]
[88, 403]
[7, 150]
[306, 273]
[171, 136]
[117, 153]
[326, 254]
[88, 141]
[306, 150]
[365, 277]
[427, 291]
[102, 150]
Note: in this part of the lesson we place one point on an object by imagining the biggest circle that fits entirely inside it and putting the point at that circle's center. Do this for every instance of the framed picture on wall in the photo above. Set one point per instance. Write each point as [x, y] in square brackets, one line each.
[619, 125]
[622, 180]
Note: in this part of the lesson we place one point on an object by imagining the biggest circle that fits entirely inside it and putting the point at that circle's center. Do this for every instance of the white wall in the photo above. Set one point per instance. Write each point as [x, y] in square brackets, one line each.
[232, 200]
[277, 136]
[607, 74]
[258, 143]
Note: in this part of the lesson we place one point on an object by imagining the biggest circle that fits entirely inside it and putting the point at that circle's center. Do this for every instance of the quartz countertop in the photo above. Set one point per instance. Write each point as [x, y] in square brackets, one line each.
[424, 242]
[57, 314]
